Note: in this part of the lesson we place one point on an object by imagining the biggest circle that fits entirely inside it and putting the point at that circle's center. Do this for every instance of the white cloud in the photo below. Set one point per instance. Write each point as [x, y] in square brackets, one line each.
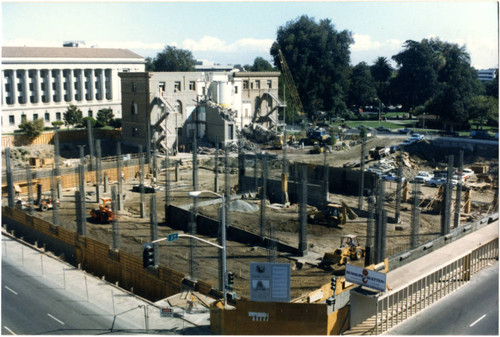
[214, 44]
[364, 43]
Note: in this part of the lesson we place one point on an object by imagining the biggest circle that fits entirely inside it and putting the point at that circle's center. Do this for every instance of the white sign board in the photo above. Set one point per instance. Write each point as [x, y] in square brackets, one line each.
[270, 282]
[365, 277]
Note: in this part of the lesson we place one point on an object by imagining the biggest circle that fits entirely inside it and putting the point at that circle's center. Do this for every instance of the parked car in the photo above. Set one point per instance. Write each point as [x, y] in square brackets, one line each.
[391, 177]
[407, 142]
[480, 134]
[435, 182]
[417, 136]
[405, 131]
[423, 176]
[383, 129]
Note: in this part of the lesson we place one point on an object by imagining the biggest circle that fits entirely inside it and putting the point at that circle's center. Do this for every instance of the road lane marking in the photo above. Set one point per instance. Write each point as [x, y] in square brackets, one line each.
[12, 291]
[480, 318]
[9, 330]
[55, 319]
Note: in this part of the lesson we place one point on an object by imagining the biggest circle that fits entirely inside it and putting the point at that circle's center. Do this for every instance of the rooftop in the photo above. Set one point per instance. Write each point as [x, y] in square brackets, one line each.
[67, 52]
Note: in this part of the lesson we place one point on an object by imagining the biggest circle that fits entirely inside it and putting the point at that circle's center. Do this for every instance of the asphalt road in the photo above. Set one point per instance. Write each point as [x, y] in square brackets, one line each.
[33, 305]
[471, 310]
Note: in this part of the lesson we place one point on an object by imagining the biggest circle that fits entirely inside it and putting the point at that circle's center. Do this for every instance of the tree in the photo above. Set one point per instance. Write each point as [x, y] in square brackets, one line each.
[416, 78]
[149, 64]
[483, 109]
[318, 58]
[173, 59]
[32, 128]
[260, 64]
[105, 116]
[93, 122]
[381, 72]
[491, 87]
[361, 87]
[72, 116]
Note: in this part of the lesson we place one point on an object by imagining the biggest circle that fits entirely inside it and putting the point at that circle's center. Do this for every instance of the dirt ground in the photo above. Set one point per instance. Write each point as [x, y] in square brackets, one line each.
[134, 230]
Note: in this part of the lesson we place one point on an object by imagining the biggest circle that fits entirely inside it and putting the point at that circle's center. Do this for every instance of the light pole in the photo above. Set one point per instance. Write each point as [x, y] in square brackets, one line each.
[194, 194]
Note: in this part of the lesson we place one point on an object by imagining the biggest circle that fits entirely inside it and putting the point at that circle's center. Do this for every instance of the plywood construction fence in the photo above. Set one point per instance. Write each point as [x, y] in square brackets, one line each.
[268, 318]
[71, 180]
[64, 136]
[99, 259]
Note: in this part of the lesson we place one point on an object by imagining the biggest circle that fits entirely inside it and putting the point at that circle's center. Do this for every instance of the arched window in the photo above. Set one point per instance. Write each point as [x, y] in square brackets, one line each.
[134, 110]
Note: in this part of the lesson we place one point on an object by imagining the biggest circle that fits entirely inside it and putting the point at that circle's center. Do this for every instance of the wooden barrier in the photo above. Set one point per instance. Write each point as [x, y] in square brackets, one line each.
[64, 136]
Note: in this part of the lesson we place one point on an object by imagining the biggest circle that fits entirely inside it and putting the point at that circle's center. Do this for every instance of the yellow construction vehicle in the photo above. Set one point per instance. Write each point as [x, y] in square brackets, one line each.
[334, 215]
[104, 214]
[348, 250]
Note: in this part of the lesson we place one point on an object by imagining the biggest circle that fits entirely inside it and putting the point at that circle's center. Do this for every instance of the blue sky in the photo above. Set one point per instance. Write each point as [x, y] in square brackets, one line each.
[238, 32]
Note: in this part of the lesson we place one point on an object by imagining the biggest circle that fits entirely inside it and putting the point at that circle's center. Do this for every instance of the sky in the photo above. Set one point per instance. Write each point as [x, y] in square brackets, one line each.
[237, 32]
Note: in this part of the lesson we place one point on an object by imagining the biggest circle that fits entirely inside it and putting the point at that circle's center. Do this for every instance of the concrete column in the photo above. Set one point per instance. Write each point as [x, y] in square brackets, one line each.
[79, 85]
[13, 90]
[24, 85]
[48, 85]
[58, 81]
[37, 84]
[109, 89]
[100, 83]
[69, 85]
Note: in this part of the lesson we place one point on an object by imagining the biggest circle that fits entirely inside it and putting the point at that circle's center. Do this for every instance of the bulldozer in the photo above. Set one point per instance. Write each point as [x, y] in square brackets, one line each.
[334, 215]
[103, 214]
[348, 250]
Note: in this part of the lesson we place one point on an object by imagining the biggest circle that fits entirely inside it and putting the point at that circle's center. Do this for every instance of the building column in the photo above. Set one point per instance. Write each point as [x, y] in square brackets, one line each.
[100, 83]
[4, 93]
[91, 85]
[38, 86]
[109, 89]
[69, 86]
[59, 86]
[79, 85]
[48, 85]
[24, 86]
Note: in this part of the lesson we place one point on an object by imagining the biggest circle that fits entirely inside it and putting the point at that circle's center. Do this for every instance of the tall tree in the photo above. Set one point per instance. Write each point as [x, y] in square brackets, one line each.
[416, 78]
[483, 109]
[361, 86]
[318, 57]
[491, 87]
[32, 128]
[105, 116]
[381, 72]
[260, 64]
[173, 59]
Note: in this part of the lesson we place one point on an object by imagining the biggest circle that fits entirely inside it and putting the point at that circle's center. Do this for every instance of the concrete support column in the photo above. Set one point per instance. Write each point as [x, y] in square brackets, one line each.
[79, 85]
[48, 85]
[24, 86]
[303, 211]
[100, 83]
[13, 90]
[37, 85]
[108, 89]
[69, 86]
[59, 89]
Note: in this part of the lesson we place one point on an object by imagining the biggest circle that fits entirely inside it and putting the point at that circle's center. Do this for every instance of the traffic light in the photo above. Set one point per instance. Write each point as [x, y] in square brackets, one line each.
[230, 278]
[334, 284]
[148, 255]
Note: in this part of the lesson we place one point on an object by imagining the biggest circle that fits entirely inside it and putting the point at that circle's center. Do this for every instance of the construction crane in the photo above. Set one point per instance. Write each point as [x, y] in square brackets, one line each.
[289, 81]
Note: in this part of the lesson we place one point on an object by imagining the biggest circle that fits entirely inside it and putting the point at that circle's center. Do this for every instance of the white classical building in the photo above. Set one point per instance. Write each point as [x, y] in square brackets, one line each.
[42, 82]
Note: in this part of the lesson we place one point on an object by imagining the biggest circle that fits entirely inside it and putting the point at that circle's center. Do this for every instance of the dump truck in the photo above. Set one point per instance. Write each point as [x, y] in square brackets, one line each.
[380, 152]
[333, 215]
[348, 250]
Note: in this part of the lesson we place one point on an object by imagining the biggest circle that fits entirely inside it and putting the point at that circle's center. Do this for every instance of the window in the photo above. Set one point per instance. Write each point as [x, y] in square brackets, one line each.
[90, 113]
[12, 120]
[161, 86]
[134, 108]
[192, 85]
[23, 118]
[177, 86]
[47, 117]
[35, 117]
[235, 89]
[245, 84]
[257, 84]
[269, 84]
[134, 87]
[58, 116]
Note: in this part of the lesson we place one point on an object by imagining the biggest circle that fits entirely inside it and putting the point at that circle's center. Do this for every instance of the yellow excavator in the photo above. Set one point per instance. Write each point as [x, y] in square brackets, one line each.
[333, 215]
[348, 250]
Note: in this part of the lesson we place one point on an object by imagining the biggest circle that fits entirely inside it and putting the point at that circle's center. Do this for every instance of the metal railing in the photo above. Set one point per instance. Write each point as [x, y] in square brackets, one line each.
[395, 307]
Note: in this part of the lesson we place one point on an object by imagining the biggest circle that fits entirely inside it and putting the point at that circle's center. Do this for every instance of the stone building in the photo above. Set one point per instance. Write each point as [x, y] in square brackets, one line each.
[172, 107]
[42, 82]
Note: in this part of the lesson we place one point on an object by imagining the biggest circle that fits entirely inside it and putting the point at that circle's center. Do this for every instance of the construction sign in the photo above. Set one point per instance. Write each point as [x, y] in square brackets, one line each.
[365, 277]
[269, 282]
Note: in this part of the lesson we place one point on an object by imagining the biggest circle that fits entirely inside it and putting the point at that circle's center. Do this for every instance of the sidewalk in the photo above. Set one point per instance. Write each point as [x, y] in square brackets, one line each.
[190, 317]
[440, 257]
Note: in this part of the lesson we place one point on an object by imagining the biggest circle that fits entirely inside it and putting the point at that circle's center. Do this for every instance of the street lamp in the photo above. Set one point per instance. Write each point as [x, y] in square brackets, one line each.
[195, 194]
